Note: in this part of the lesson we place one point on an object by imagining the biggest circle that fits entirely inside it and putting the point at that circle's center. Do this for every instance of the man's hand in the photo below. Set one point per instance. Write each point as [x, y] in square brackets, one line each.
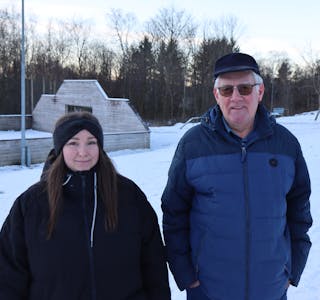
[194, 284]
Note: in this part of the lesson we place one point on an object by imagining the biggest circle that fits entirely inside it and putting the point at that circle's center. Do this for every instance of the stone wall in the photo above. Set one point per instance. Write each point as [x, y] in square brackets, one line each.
[10, 150]
[13, 122]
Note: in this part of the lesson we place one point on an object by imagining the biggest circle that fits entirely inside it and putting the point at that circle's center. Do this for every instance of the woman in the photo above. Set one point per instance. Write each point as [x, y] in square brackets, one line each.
[83, 231]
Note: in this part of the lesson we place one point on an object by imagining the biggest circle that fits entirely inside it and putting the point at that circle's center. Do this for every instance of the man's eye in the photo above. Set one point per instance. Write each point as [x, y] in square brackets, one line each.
[227, 89]
[244, 88]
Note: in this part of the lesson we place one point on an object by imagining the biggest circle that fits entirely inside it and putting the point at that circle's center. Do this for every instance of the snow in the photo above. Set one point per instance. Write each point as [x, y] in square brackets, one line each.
[148, 168]
[29, 134]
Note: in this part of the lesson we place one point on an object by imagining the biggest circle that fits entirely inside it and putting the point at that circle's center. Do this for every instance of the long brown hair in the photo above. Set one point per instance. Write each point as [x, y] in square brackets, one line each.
[106, 182]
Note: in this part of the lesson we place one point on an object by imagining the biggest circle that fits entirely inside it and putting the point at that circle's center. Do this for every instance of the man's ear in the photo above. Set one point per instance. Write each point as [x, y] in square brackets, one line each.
[261, 91]
[215, 94]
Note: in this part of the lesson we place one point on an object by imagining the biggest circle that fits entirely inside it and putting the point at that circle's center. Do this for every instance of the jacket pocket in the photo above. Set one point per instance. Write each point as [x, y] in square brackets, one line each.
[198, 248]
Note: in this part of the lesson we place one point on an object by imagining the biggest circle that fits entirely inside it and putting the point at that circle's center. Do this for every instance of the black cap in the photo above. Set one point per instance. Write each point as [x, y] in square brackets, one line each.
[71, 126]
[234, 62]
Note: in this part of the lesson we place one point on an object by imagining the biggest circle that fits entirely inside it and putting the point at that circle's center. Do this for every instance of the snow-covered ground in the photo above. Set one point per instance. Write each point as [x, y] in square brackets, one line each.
[148, 168]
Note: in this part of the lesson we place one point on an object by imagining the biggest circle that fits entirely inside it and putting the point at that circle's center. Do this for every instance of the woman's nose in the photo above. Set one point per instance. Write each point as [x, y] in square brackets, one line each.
[82, 150]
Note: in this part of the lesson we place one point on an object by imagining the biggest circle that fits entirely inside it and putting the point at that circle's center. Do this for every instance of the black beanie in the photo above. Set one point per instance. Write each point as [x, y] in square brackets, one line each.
[70, 127]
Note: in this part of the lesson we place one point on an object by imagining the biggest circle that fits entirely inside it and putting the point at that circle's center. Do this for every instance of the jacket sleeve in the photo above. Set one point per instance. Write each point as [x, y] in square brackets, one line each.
[299, 218]
[154, 267]
[14, 269]
[176, 206]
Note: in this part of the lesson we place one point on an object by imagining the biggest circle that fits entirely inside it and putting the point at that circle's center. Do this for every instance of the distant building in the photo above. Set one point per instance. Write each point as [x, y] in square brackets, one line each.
[122, 126]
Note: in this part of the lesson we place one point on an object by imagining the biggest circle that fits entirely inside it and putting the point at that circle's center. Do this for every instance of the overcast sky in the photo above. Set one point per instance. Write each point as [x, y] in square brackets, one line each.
[270, 25]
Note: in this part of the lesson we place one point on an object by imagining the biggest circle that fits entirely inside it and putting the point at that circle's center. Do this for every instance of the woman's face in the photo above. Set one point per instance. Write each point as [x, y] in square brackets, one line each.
[81, 152]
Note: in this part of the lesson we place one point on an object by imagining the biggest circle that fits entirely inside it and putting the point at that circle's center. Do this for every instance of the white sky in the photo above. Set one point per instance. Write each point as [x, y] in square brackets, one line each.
[268, 26]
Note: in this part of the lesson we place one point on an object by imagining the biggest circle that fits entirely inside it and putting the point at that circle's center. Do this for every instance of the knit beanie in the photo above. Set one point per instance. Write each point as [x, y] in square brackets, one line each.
[73, 123]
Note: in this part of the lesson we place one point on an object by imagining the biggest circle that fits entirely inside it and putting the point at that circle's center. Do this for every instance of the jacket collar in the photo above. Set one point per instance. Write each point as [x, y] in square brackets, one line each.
[264, 122]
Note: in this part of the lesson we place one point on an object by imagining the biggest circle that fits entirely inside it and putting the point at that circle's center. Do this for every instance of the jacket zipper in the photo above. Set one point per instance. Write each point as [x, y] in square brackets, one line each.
[90, 249]
[247, 216]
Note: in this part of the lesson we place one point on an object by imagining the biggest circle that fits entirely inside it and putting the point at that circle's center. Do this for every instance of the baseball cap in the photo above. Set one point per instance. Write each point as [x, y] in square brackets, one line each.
[234, 62]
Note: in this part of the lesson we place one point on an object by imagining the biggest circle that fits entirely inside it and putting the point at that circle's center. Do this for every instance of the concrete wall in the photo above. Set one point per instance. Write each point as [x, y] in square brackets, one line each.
[13, 122]
[10, 150]
[114, 114]
[122, 126]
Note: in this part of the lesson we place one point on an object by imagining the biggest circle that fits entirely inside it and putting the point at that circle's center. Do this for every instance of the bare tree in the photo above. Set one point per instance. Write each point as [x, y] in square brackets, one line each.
[227, 27]
[284, 75]
[172, 25]
[9, 60]
[312, 61]
[62, 43]
[79, 31]
[174, 34]
[270, 66]
[100, 60]
[47, 55]
[123, 25]
[30, 63]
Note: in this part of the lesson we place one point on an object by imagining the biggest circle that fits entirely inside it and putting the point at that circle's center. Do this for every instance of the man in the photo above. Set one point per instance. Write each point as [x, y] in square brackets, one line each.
[236, 205]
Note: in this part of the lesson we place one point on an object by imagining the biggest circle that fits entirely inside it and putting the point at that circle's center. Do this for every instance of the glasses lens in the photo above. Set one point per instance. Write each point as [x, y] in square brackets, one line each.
[226, 90]
[244, 89]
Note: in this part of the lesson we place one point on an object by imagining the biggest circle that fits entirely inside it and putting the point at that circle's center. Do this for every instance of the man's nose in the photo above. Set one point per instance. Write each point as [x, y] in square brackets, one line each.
[235, 93]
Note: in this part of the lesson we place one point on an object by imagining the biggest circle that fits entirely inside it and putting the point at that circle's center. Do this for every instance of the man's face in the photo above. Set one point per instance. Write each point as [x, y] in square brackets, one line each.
[238, 110]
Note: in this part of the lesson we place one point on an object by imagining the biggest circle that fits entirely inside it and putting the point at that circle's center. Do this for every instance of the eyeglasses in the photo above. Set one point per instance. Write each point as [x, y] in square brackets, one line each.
[243, 89]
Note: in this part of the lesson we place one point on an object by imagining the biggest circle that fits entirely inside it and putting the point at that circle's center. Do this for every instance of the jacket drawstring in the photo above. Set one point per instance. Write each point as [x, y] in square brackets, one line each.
[67, 180]
[94, 214]
[94, 209]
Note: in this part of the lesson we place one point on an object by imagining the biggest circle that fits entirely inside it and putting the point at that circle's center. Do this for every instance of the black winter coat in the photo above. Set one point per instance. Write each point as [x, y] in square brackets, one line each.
[126, 264]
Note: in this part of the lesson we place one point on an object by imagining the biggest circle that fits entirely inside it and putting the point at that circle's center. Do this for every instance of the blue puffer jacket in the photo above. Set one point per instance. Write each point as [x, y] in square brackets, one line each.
[236, 212]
